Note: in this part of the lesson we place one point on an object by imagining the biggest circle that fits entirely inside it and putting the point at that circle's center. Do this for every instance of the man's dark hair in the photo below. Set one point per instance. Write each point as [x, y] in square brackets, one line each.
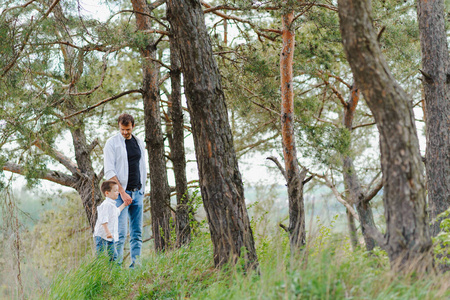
[107, 186]
[125, 119]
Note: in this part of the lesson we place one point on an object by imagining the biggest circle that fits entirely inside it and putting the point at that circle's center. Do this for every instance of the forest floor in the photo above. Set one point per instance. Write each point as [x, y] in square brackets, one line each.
[326, 269]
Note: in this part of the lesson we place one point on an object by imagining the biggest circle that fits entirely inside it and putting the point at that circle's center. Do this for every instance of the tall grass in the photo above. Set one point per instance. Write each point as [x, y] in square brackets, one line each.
[331, 272]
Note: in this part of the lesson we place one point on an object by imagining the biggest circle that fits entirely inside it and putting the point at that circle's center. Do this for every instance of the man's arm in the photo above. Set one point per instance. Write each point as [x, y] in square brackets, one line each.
[125, 197]
[108, 233]
[110, 172]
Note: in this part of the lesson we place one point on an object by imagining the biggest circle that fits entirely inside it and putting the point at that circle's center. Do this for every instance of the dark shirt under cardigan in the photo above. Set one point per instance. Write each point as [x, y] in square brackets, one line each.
[134, 155]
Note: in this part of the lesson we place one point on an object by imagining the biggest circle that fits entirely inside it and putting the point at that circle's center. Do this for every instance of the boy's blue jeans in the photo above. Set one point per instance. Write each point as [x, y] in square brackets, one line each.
[102, 245]
[135, 213]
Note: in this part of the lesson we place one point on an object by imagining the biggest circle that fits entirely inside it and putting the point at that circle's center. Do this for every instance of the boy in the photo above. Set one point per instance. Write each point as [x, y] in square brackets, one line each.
[106, 230]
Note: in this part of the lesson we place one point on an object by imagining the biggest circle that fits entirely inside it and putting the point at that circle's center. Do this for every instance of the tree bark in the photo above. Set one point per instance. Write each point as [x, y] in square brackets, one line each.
[177, 153]
[220, 180]
[407, 239]
[297, 232]
[352, 230]
[88, 183]
[433, 40]
[160, 192]
[351, 180]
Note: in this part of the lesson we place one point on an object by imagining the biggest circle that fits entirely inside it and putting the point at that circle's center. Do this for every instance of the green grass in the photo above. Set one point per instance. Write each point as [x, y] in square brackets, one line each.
[334, 272]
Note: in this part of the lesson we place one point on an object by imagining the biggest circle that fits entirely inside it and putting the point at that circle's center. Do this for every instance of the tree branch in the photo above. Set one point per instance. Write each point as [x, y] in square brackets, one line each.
[247, 148]
[325, 121]
[103, 102]
[101, 173]
[228, 17]
[349, 86]
[369, 196]
[92, 145]
[160, 62]
[335, 91]
[156, 4]
[309, 5]
[284, 227]
[54, 176]
[307, 179]
[339, 197]
[163, 32]
[280, 167]
[363, 125]
[16, 57]
[104, 67]
[427, 76]
[330, 7]
[50, 9]
[61, 158]
[164, 78]
[143, 13]
[19, 6]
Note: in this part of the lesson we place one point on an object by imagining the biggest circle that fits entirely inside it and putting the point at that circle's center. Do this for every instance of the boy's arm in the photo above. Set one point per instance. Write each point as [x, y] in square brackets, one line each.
[122, 206]
[108, 233]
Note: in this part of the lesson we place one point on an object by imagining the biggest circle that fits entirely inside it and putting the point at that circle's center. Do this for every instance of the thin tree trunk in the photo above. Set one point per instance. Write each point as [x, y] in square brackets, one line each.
[297, 233]
[178, 157]
[160, 192]
[351, 180]
[433, 40]
[407, 239]
[220, 179]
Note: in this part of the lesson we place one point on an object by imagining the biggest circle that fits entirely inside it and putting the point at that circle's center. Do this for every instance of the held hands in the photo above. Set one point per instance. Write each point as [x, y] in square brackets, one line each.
[126, 198]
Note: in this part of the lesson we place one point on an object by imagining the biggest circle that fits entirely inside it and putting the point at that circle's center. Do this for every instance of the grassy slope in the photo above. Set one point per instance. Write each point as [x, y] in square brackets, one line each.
[326, 270]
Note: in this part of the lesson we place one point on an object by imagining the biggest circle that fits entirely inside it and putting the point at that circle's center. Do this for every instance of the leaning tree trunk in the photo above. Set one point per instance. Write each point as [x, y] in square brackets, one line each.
[351, 180]
[407, 239]
[88, 182]
[220, 179]
[160, 192]
[433, 40]
[297, 233]
[177, 153]
[83, 177]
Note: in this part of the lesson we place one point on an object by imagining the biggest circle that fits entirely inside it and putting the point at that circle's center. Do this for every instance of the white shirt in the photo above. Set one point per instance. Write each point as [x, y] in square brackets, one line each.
[107, 212]
[116, 160]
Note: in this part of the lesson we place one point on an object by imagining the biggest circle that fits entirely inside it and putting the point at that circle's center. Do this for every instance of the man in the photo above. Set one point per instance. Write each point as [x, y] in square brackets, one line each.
[124, 160]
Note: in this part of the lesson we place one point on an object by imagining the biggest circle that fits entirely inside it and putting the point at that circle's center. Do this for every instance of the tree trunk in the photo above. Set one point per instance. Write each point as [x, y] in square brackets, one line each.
[160, 192]
[433, 40]
[88, 184]
[177, 154]
[297, 233]
[407, 239]
[351, 180]
[220, 179]
[352, 230]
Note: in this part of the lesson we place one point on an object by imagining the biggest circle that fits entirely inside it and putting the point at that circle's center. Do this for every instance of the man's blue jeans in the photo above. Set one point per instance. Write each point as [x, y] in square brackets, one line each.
[134, 212]
[102, 245]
